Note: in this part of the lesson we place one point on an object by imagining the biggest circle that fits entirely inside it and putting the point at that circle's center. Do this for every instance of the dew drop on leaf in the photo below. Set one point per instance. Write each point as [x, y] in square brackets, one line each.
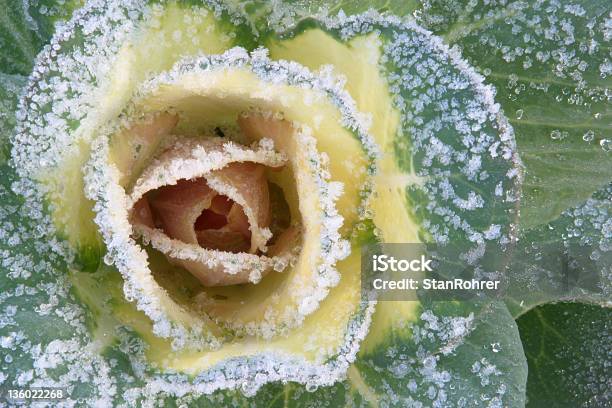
[588, 136]
[519, 113]
[606, 145]
[311, 387]
[556, 135]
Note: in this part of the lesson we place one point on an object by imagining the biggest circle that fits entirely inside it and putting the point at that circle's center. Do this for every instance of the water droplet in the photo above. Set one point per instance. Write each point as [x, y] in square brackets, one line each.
[519, 113]
[108, 258]
[606, 145]
[495, 347]
[558, 135]
[588, 136]
[597, 115]
[311, 387]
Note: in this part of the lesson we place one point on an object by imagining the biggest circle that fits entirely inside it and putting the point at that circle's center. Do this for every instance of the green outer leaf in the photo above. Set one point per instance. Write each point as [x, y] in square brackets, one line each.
[450, 361]
[568, 350]
[24, 29]
[567, 259]
[25, 26]
[18, 41]
[542, 97]
[560, 174]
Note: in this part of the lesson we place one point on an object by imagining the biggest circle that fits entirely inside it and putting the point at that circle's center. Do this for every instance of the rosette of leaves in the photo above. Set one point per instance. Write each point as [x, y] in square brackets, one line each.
[480, 127]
